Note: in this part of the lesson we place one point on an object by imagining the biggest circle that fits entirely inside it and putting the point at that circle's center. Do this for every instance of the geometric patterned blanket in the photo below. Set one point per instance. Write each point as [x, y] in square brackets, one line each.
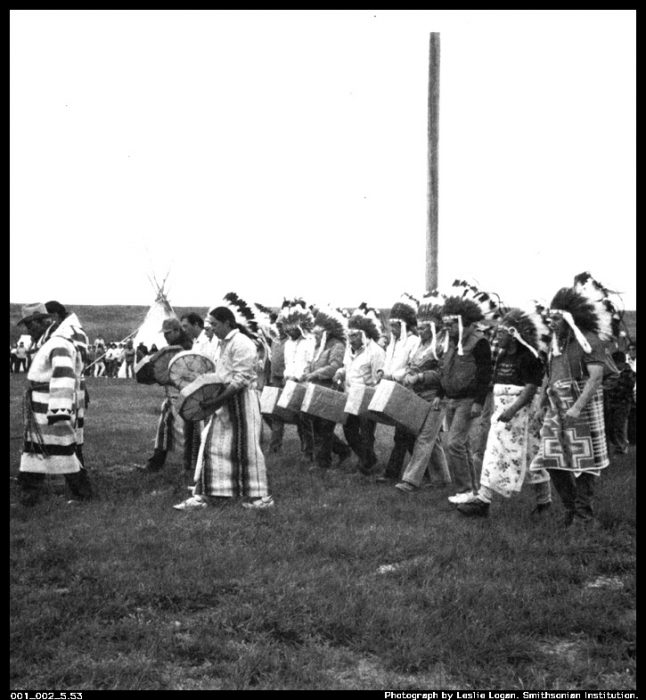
[579, 447]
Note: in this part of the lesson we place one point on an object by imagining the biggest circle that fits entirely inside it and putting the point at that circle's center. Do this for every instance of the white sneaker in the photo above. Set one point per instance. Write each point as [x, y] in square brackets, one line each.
[465, 497]
[192, 503]
[264, 502]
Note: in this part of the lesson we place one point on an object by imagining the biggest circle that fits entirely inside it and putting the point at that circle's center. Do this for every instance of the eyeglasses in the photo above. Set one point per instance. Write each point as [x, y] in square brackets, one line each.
[448, 320]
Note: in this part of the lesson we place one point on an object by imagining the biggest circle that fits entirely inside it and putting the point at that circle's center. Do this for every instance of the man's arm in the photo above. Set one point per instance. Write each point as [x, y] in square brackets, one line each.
[593, 382]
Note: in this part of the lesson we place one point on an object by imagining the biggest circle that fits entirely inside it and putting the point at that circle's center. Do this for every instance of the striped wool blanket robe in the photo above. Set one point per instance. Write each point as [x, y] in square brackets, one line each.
[230, 462]
[580, 447]
[53, 406]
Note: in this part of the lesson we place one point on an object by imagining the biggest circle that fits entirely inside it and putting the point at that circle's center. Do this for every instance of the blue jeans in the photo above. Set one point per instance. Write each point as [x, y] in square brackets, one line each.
[576, 493]
[428, 453]
[359, 432]
[478, 434]
[458, 415]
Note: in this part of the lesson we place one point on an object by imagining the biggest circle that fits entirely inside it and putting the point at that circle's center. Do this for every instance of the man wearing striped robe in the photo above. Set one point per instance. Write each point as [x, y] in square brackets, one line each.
[230, 462]
[54, 405]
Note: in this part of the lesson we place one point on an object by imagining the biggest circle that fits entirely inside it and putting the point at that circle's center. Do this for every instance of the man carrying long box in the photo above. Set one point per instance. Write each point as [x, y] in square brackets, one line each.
[364, 358]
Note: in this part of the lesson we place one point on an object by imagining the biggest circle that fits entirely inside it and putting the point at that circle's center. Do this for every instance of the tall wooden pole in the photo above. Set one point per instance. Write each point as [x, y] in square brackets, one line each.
[433, 140]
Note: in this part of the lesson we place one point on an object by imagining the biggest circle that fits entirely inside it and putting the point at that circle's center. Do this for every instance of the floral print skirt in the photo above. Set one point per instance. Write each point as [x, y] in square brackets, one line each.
[510, 446]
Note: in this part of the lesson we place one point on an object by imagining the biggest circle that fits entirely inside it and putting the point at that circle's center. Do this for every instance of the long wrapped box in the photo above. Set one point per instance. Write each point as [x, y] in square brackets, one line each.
[289, 402]
[324, 403]
[269, 398]
[359, 396]
[394, 403]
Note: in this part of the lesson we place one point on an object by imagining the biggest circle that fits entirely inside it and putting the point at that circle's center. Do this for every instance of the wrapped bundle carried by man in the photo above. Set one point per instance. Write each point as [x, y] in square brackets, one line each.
[322, 402]
[289, 402]
[394, 404]
[358, 399]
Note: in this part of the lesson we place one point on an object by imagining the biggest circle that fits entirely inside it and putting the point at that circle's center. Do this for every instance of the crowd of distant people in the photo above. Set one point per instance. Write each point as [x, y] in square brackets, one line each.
[107, 359]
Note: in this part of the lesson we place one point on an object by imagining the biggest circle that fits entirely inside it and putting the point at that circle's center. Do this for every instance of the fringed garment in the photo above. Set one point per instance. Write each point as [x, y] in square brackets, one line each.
[53, 408]
[168, 435]
[510, 446]
[230, 462]
[174, 434]
[580, 447]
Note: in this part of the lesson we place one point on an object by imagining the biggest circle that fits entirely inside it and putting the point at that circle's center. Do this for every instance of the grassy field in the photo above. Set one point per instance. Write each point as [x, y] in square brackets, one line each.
[345, 584]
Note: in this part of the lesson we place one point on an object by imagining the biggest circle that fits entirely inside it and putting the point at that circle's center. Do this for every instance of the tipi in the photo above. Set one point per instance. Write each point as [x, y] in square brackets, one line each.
[149, 332]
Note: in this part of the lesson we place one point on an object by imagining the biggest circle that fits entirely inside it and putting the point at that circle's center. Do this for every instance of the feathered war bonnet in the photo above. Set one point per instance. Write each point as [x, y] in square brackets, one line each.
[243, 313]
[469, 305]
[430, 311]
[295, 313]
[586, 306]
[263, 319]
[366, 319]
[404, 310]
[333, 323]
[528, 327]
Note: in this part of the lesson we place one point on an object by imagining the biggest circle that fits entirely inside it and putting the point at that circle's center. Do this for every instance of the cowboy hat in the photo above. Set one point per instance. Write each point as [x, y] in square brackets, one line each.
[33, 312]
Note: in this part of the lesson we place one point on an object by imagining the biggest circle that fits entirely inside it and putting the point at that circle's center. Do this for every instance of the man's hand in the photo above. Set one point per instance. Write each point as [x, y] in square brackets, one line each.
[571, 415]
[210, 403]
[476, 410]
[409, 379]
[506, 416]
[435, 403]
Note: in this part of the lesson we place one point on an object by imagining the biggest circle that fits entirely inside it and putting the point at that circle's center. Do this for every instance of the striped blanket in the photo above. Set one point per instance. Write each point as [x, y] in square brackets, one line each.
[579, 447]
[230, 462]
[53, 409]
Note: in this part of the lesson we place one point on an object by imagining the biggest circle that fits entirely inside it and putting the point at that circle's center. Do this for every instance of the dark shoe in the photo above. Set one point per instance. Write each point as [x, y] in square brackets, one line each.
[156, 462]
[477, 508]
[29, 500]
[585, 523]
[343, 457]
[567, 519]
[405, 487]
[385, 479]
[540, 509]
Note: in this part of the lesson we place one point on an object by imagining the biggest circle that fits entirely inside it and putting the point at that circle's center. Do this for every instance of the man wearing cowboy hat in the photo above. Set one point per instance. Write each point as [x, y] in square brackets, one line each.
[54, 405]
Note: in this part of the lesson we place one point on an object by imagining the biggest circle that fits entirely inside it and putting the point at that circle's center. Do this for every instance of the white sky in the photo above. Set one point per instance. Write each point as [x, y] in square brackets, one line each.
[282, 153]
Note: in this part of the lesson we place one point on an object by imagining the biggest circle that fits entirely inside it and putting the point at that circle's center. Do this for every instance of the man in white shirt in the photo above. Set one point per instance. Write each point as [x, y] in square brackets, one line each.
[200, 331]
[298, 323]
[230, 463]
[364, 360]
[403, 344]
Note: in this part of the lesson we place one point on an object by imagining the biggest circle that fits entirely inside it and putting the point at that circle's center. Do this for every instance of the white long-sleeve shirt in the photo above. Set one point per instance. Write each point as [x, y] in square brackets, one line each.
[210, 348]
[298, 355]
[398, 353]
[361, 367]
[237, 362]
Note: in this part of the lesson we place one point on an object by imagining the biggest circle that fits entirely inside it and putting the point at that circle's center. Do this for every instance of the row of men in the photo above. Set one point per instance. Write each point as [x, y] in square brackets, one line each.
[561, 351]
[439, 350]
